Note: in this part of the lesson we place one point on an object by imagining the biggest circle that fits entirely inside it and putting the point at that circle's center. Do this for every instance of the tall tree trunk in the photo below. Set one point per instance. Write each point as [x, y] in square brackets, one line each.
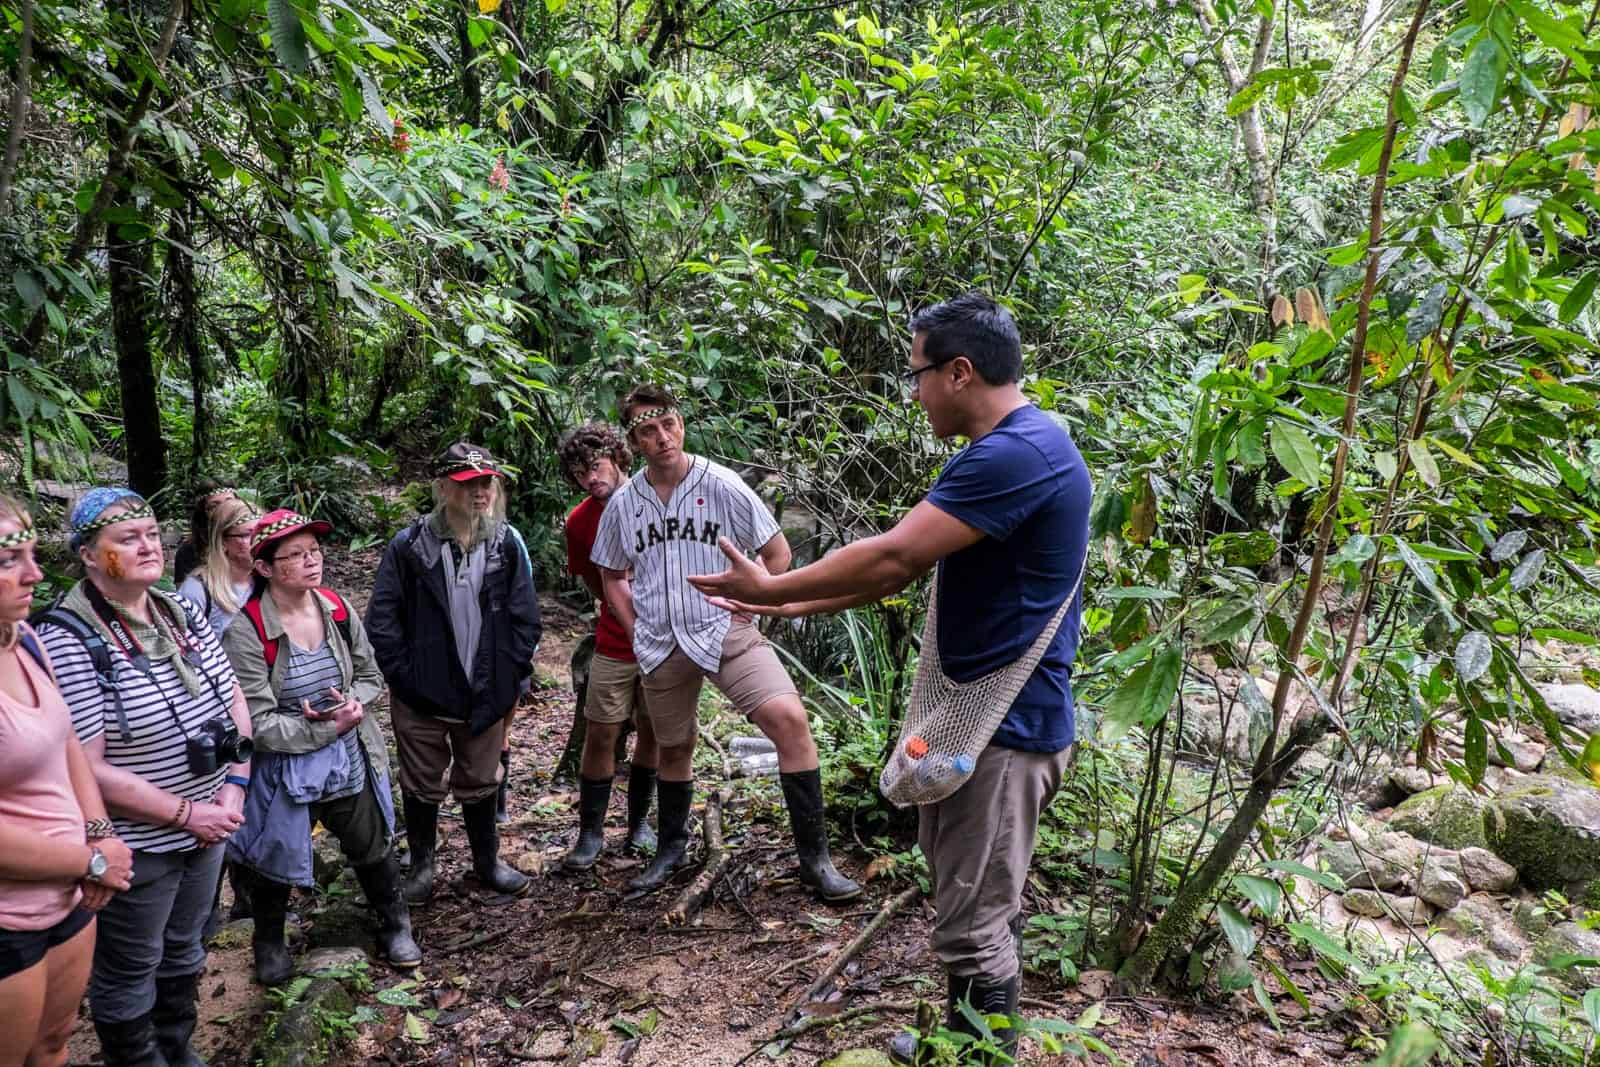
[183, 329]
[20, 89]
[471, 87]
[1263, 176]
[133, 314]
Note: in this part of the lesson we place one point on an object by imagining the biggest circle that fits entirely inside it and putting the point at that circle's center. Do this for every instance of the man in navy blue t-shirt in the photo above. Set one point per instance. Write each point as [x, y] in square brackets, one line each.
[1007, 525]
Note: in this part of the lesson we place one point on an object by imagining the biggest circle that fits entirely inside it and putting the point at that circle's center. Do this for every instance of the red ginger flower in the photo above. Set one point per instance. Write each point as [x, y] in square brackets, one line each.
[499, 178]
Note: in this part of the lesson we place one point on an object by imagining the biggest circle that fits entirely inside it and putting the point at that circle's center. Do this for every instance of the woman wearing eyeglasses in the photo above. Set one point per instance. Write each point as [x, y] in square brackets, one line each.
[59, 861]
[210, 494]
[222, 579]
[166, 730]
[308, 671]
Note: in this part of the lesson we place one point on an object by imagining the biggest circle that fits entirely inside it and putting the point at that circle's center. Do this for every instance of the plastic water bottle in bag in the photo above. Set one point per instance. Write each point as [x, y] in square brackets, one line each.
[940, 767]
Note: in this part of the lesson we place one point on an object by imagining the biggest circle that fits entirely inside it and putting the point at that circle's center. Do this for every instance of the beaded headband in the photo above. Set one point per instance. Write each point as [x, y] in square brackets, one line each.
[18, 537]
[644, 416]
[101, 521]
[266, 533]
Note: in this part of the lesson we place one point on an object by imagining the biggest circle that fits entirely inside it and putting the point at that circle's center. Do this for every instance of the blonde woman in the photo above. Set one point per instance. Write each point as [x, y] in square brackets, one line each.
[221, 582]
[59, 860]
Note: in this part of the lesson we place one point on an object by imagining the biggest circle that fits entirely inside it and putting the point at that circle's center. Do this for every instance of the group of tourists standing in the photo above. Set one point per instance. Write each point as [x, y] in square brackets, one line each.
[147, 738]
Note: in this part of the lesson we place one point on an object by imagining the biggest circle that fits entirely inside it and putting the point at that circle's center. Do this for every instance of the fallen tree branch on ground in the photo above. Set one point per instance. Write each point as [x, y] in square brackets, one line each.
[890, 909]
[692, 899]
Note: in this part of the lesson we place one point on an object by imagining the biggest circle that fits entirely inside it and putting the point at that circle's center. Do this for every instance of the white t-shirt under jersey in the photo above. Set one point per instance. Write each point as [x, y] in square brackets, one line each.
[665, 543]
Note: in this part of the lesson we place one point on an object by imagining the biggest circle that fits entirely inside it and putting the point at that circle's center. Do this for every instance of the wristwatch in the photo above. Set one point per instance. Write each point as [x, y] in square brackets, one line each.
[98, 865]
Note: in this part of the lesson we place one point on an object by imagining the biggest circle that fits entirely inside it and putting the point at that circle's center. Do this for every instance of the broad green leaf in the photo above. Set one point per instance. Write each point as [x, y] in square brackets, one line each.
[1422, 459]
[1473, 653]
[374, 104]
[28, 288]
[1591, 1009]
[1264, 893]
[1326, 879]
[1138, 592]
[1146, 694]
[1423, 571]
[1294, 448]
[1527, 571]
[1241, 934]
[1578, 296]
[288, 36]
[1385, 464]
[1425, 314]
[1509, 545]
[1560, 35]
[1413, 1045]
[1322, 944]
[1482, 74]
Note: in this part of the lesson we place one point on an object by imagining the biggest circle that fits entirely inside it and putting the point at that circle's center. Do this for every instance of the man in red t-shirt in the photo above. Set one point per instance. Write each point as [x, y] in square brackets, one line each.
[595, 456]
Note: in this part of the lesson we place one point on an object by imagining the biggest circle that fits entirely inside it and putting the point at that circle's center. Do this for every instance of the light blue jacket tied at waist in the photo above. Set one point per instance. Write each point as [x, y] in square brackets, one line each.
[299, 762]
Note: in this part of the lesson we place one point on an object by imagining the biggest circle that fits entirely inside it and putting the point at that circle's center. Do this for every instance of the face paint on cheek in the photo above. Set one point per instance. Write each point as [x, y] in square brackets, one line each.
[111, 563]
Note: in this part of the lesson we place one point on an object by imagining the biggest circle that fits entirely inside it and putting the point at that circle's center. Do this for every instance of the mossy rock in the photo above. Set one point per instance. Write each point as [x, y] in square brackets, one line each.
[1446, 815]
[860, 1057]
[306, 1033]
[1549, 830]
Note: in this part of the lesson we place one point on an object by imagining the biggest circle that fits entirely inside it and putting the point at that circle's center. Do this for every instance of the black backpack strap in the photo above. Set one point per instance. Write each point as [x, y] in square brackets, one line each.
[99, 657]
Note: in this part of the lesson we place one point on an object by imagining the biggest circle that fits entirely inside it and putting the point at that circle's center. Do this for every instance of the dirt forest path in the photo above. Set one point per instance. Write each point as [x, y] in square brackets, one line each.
[573, 973]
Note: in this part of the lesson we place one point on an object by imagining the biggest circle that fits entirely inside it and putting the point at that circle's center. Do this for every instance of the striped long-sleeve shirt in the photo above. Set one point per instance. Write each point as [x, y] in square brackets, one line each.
[160, 713]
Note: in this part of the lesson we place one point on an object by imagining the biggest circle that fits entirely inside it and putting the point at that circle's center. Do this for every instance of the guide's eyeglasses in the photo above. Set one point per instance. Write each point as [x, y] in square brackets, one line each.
[910, 376]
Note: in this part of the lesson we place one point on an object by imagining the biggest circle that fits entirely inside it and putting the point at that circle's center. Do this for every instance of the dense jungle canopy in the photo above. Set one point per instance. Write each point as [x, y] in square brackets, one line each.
[1311, 282]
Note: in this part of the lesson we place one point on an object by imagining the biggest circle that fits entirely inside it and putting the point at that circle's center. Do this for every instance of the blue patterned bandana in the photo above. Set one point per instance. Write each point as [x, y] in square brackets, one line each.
[86, 516]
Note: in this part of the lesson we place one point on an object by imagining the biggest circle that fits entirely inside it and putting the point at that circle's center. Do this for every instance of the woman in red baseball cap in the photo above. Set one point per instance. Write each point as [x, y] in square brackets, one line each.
[308, 672]
[454, 619]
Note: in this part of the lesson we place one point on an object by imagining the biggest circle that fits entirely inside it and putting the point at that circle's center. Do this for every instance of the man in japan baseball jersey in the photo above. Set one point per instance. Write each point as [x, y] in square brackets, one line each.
[664, 525]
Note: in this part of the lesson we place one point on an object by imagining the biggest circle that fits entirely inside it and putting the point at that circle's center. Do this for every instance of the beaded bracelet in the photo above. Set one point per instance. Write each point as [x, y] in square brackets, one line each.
[181, 819]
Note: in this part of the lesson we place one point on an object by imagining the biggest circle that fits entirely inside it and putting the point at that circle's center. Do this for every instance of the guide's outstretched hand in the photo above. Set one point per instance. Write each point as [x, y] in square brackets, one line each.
[741, 587]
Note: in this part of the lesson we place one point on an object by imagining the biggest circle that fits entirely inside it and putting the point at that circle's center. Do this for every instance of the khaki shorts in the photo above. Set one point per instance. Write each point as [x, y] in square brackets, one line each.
[614, 690]
[749, 675]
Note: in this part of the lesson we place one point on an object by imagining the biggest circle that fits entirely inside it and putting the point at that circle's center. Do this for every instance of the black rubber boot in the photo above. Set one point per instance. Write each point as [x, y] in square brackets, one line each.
[270, 901]
[422, 833]
[484, 837]
[130, 1044]
[381, 883]
[593, 797]
[174, 1017]
[802, 792]
[641, 791]
[239, 882]
[676, 800]
[501, 814]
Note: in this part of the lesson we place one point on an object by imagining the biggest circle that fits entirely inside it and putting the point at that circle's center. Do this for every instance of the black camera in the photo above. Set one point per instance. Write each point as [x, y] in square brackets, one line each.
[216, 744]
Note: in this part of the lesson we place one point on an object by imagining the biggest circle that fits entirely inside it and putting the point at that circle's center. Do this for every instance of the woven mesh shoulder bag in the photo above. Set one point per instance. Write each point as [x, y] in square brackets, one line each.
[948, 724]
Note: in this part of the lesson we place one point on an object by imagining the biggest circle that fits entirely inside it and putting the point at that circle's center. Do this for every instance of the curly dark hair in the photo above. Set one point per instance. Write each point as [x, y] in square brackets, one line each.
[583, 445]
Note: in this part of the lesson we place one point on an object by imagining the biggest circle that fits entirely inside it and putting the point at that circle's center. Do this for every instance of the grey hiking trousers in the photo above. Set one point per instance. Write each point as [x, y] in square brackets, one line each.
[979, 842]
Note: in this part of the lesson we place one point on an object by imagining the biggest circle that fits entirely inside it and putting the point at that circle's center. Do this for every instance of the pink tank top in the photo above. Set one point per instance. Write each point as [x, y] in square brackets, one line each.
[36, 794]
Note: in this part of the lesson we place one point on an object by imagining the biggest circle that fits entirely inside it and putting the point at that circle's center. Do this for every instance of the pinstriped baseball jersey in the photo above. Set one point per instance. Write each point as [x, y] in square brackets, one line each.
[665, 543]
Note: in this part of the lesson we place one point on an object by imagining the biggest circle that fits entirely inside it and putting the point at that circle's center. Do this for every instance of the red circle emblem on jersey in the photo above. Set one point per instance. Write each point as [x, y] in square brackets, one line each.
[700, 502]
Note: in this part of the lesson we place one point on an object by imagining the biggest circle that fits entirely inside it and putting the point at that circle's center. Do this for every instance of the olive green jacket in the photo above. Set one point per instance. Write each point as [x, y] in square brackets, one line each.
[292, 734]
